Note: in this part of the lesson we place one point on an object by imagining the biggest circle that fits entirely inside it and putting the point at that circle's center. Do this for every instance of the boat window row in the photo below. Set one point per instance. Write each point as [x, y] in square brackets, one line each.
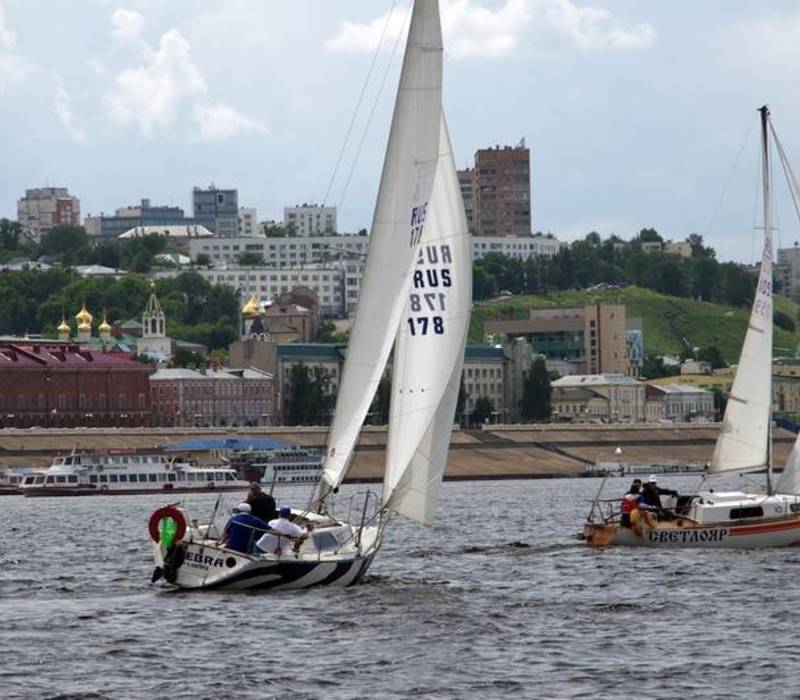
[296, 467]
[165, 476]
[746, 512]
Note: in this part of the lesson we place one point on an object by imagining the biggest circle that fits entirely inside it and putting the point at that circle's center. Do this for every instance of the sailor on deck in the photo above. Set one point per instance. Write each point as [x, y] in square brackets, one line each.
[284, 535]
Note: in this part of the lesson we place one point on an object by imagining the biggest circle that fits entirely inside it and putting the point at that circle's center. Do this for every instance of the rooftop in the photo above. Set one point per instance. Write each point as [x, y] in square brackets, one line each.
[579, 380]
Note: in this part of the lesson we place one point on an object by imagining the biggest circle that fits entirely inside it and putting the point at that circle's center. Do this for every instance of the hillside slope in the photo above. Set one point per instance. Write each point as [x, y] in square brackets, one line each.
[666, 320]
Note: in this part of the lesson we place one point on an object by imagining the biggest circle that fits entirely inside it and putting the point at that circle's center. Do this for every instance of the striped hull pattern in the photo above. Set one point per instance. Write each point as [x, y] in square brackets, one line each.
[210, 567]
[782, 532]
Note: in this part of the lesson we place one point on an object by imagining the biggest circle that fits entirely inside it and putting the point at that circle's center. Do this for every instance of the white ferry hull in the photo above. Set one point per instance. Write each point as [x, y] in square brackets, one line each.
[780, 532]
[88, 490]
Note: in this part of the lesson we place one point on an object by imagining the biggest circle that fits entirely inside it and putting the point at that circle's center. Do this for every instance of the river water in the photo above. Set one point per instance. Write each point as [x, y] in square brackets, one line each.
[499, 599]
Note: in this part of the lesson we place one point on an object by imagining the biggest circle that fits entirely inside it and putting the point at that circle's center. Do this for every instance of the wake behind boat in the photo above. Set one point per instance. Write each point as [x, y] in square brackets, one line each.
[416, 297]
[733, 519]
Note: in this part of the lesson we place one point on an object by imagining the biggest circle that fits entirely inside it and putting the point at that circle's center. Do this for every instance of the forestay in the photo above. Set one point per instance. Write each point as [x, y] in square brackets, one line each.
[398, 222]
[743, 442]
[429, 352]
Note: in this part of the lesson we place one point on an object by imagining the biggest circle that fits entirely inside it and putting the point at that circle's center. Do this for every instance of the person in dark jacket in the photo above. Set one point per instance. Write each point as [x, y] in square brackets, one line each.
[262, 504]
[651, 497]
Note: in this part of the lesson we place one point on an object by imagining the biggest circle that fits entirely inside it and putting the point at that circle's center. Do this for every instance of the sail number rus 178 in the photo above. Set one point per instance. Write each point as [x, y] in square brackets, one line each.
[428, 297]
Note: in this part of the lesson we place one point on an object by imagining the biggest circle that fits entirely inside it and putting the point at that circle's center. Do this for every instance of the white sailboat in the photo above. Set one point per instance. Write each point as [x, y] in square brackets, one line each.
[415, 296]
[732, 519]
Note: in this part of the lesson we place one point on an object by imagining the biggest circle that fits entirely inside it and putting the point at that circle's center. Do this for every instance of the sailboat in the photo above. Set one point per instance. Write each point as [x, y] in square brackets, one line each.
[731, 519]
[415, 297]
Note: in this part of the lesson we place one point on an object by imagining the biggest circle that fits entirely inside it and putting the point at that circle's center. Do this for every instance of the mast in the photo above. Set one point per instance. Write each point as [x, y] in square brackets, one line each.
[765, 175]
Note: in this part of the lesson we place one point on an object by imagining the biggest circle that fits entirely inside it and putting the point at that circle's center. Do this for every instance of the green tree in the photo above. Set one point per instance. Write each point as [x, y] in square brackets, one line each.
[310, 399]
[187, 358]
[712, 355]
[250, 259]
[484, 408]
[10, 234]
[71, 243]
[202, 260]
[536, 392]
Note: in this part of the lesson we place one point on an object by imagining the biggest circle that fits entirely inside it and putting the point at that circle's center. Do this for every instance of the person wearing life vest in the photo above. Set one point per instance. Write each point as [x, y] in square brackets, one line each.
[630, 503]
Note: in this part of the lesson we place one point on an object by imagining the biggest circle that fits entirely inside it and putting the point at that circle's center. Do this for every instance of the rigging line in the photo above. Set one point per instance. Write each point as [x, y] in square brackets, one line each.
[730, 177]
[359, 102]
[794, 189]
[400, 34]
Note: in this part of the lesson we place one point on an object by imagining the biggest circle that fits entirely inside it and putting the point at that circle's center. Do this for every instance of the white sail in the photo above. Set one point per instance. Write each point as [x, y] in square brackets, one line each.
[789, 480]
[743, 442]
[400, 212]
[429, 352]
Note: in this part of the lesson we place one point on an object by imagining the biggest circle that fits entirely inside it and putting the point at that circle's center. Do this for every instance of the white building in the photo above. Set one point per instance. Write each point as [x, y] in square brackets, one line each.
[45, 207]
[683, 402]
[188, 231]
[280, 252]
[248, 221]
[626, 396]
[336, 284]
[519, 247]
[310, 219]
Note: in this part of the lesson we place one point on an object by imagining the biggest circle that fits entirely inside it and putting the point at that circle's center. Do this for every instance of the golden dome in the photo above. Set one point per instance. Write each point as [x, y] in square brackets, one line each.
[63, 327]
[251, 309]
[83, 317]
[105, 326]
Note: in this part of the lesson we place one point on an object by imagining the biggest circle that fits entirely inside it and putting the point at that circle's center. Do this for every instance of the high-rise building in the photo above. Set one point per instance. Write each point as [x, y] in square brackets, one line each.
[466, 181]
[310, 219]
[217, 210]
[135, 216]
[497, 192]
[43, 208]
[248, 222]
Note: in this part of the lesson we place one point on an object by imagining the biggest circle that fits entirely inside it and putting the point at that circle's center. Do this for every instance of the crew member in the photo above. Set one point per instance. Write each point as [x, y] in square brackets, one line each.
[262, 504]
[242, 530]
[283, 535]
[651, 496]
[630, 503]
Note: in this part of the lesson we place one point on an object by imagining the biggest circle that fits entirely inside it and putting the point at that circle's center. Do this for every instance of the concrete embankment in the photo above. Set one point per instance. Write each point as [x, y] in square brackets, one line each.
[501, 451]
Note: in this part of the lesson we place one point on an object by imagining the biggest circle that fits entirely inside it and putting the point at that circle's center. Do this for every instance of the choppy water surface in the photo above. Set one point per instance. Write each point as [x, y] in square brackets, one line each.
[497, 600]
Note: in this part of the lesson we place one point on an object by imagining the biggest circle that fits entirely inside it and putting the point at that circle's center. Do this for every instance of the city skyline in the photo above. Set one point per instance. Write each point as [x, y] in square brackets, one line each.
[153, 99]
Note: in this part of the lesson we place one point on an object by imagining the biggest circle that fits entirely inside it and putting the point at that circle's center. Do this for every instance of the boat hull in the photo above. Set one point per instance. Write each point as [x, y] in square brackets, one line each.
[776, 532]
[206, 565]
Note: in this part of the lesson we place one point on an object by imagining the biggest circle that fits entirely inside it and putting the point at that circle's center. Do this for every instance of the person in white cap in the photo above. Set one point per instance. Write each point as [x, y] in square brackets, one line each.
[242, 530]
[651, 496]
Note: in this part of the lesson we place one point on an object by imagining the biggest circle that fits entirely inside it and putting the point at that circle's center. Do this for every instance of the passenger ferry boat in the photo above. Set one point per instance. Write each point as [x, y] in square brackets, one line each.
[120, 473]
[11, 480]
[279, 466]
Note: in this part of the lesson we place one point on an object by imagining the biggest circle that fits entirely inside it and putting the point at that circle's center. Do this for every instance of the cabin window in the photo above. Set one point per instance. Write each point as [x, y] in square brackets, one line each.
[50, 480]
[209, 476]
[112, 478]
[61, 479]
[72, 478]
[28, 480]
[162, 477]
[219, 476]
[152, 477]
[746, 512]
[230, 477]
[172, 476]
[103, 478]
[191, 476]
[794, 507]
[92, 478]
[124, 477]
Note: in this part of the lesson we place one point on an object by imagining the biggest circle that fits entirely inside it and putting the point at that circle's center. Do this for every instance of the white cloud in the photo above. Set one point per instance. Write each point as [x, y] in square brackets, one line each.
[473, 30]
[7, 37]
[150, 95]
[62, 103]
[13, 68]
[219, 122]
[594, 28]
[127, 26]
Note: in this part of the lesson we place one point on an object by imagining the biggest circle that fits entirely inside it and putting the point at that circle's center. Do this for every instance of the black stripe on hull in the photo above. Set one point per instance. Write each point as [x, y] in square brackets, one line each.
[289, 573]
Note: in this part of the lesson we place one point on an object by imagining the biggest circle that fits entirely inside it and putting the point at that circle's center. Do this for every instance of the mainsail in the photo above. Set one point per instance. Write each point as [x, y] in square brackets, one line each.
[429, 352]
[400, 215]
[743, 442]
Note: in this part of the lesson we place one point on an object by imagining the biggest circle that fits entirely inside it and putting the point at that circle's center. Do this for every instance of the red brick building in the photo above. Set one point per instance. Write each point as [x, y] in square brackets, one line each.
[58, 384]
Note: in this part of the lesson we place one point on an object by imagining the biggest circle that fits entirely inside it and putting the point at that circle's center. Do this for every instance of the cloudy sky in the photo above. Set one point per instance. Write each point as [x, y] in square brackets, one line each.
[637, 114]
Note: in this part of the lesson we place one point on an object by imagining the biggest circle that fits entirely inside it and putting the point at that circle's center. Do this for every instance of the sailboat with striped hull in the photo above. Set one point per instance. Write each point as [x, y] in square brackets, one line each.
[415, 298]
[731, 519]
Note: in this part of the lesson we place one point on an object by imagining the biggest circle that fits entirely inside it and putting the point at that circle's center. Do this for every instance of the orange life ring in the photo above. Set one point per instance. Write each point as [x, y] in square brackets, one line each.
[166, 512]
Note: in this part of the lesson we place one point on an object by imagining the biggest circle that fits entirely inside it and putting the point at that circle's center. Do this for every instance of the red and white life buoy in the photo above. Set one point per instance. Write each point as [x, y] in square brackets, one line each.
[167, 512]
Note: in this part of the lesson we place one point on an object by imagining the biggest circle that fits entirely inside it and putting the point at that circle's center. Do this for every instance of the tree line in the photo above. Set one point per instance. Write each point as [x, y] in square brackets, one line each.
[612, 261]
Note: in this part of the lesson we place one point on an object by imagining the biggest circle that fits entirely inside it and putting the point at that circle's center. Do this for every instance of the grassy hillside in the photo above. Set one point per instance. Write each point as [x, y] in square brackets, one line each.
[665, 319]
